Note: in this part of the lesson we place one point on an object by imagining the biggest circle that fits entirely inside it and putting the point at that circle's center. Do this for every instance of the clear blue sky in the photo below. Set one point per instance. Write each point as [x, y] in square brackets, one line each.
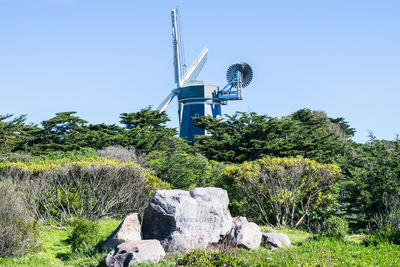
[102, 58]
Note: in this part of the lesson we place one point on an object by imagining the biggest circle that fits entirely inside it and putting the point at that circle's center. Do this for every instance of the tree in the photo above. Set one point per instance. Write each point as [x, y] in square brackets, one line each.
[102, 135]
[371, 175]
[11, 132]
[146, 130]
[249, 136]
[145, 118]
[63, 132]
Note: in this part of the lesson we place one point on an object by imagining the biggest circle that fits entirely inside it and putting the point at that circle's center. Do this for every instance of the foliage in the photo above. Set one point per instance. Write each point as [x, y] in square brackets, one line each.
[311, 252]
[146, 130]
[56, 251]
[336, 227]
[84, 236]
[371, 174]
[63, 132]
[370, 171]
[278, 191]
[76, 155]
[333, 252]
[387, 225]
[18, 229]
[12, 132]
[198, 257]
[15, 156]
[249, 136]
[119, 153]
[180, 167]
[145, 118]
[86, 188]
[55, 248]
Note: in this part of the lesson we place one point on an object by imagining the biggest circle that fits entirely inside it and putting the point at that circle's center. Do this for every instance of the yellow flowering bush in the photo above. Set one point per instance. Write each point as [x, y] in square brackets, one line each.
[91, 187]
[279, 191]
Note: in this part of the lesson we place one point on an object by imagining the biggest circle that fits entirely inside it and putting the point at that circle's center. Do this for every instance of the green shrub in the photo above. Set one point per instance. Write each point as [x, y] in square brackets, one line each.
[82, 153]
[383, 236]
[84, 236]
[180, 167]
[279, 191]
[199, 257]
[91, 188]
[336, 227]
[387, 226]
[18, 229]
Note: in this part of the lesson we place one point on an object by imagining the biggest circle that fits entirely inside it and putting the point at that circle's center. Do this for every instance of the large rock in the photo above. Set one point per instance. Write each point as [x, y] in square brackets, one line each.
[275, 240]
[135, 252]
[128, 230]
[184, 220]
[244, 234]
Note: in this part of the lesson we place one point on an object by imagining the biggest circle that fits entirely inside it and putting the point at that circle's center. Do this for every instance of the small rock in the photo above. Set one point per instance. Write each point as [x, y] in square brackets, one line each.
[244, 234]
[135, 252]
[275, 240]
[128, 230]
[184, 220]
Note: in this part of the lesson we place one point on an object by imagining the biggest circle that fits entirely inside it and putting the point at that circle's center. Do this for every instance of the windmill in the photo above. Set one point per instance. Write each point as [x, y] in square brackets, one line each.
[198, 98]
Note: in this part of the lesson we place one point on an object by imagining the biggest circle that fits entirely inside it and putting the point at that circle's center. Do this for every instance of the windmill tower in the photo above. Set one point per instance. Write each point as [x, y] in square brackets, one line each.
[198, 98]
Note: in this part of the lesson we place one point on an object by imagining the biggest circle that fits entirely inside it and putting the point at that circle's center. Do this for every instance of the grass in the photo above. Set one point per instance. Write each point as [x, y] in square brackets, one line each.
[306, 250]
[56, 251]
[328, 252]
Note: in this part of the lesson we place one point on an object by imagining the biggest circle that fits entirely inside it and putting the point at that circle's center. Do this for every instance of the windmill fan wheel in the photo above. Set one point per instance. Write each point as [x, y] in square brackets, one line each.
[244, 68]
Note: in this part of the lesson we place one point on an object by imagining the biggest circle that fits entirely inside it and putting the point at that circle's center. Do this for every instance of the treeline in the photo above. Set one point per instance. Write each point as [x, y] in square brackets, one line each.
[145, 130]
[366, 185]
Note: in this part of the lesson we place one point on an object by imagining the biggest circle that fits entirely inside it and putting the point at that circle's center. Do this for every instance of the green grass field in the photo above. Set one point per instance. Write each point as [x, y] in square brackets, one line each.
[306, 250]
[55, 250]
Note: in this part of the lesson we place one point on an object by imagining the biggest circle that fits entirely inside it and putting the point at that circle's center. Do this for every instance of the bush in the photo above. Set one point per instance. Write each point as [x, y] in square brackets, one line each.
[84, 236]
[279, 191]
[336, 227]
[199, 257]
[119, 153]
[387, 224]
[87, 188]
[180, 167]
[82, 153]
[18, 229]
[16, 156]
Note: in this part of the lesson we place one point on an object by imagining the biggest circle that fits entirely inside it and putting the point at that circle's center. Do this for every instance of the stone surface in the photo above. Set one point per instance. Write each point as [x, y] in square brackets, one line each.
[128, 230]
[184, 220]
[244, 234]
[135, 252]
[275, 240]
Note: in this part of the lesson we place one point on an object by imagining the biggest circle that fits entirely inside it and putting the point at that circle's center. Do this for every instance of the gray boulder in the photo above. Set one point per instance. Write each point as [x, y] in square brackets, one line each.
[135, 252]
[275, 240]
[184, 220]
[128, 230]
[244, 234]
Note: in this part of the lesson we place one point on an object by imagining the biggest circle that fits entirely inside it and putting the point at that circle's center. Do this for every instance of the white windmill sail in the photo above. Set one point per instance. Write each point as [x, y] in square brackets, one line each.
[178, 60]
[178, 47]
[196, 67]
[167, 100]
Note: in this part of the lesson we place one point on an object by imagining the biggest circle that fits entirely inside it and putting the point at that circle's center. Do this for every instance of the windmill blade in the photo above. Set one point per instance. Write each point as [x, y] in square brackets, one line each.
[196, 67]
[178, 47]
[167, 100]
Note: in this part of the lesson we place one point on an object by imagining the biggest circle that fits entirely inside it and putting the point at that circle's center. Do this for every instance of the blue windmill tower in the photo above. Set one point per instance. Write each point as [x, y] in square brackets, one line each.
[198, 98]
